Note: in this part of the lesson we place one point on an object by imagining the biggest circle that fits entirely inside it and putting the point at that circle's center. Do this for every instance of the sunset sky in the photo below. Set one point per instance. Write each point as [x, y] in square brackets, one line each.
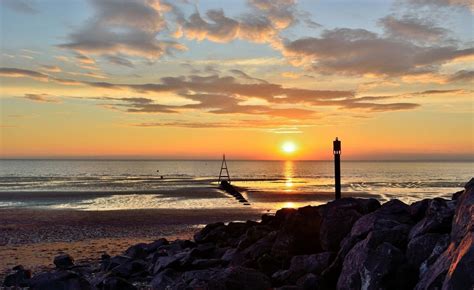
[194, 79]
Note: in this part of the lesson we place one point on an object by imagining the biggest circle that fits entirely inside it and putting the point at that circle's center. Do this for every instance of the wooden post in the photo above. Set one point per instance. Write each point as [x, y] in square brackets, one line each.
[337, 167]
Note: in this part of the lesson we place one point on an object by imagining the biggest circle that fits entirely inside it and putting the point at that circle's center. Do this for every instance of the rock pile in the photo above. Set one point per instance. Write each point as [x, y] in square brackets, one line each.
[345, 244]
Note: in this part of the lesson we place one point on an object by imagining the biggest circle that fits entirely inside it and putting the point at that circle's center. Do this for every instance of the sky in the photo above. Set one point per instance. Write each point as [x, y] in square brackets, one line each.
[194, 79]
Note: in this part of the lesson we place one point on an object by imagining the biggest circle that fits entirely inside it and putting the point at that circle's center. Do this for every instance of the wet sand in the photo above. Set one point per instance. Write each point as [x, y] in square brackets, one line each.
[32, 237]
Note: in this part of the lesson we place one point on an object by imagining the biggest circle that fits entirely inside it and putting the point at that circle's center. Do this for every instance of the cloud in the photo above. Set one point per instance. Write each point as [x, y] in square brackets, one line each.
[246, 76]
[438, 92]
[127, 27]
[24, 73]
[118, 60]
[359, 52]
[413, 29]
[444, 3]
[273, 126]
[230, 95]
[139, 105]
[224, 95]
[261, 25]
[51, 68]
[220, 28]
[22, 6]
[18, 73]
[43, 98]
[462, 76]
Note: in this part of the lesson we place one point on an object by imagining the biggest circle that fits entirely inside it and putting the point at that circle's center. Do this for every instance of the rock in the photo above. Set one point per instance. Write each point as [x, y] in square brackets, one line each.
[441, 245]
[418, 209]
[138, 251]
[463, 221]
[438, 218]
[303, 264]
[288, 287]
[130, 268]
[420, 248]
[229, 255]
[196, 279]
[268, 264]
[456, 195]
[165, 279]
[371, 264]
[235, 230]
[390, 214]
[153, 246]
[19, 278]
[112, 283]
[211, 233]
[460, 273]
[63, 261]
[308, 282]
[206, 263]
[166, 262]
[282, 214]
[453, 268]
[237, 278]
[368, 205]
[252, 235]
[251, 254]
[299, 233]
[59, 280]
[202, 251]
[109, 264]
[337, 220]
[142, 250]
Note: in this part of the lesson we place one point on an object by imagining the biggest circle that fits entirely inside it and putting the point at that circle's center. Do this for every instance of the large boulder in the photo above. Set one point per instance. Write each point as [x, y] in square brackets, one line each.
[19, 279]
[420, 248]
[63, 261]
[390, 214]
[339, 216]
[453, 268]
[373, 264]
[299, 233]
[211, 233]
[59, 280]
[251, 254]
[301, 265]
[438, 218]
[237, 278]
[112, 283]
[142, 250]
[165, 279]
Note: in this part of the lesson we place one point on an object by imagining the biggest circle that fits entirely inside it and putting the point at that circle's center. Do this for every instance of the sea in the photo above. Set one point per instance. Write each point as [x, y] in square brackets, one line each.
[191, 184]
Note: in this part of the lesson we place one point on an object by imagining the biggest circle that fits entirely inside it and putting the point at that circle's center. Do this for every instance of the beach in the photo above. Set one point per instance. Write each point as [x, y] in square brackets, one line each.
[32, 237]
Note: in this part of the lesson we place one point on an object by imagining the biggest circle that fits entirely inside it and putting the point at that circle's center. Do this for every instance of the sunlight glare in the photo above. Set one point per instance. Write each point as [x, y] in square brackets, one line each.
[288, 147]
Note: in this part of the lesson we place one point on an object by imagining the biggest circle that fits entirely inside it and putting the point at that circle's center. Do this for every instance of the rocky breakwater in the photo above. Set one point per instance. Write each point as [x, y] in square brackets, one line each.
[345, 244]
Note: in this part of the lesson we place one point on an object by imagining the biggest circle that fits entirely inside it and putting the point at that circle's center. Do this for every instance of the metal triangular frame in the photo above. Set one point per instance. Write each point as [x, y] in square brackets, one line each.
[224, 167]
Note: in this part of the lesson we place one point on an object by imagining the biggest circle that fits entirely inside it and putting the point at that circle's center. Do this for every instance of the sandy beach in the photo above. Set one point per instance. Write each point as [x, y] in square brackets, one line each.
[33, 237]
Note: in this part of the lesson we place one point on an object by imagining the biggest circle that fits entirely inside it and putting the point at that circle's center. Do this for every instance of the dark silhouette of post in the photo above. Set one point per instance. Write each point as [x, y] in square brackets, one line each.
[337, 167]
[224, 168]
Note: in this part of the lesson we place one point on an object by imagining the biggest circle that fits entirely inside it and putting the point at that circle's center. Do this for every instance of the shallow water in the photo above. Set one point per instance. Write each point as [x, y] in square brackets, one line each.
[190, 184]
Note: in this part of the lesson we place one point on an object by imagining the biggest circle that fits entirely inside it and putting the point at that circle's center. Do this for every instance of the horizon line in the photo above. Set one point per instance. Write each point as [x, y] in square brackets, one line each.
[220, 159]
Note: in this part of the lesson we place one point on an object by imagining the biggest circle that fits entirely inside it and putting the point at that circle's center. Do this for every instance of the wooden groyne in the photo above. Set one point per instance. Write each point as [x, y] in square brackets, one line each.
[227, 187]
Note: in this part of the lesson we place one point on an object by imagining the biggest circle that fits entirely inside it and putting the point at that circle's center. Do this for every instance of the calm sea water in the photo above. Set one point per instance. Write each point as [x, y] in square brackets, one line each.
[93, 184]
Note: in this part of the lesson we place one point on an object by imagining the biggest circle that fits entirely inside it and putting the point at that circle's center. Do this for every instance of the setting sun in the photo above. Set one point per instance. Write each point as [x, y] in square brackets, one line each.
[288, 147]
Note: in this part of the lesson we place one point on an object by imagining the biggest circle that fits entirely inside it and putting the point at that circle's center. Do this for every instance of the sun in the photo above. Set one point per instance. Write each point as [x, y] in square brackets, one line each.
[288, 147]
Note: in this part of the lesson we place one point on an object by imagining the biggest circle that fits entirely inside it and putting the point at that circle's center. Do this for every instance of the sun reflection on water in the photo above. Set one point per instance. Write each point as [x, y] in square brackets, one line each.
[289, 172]
[289, 205]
